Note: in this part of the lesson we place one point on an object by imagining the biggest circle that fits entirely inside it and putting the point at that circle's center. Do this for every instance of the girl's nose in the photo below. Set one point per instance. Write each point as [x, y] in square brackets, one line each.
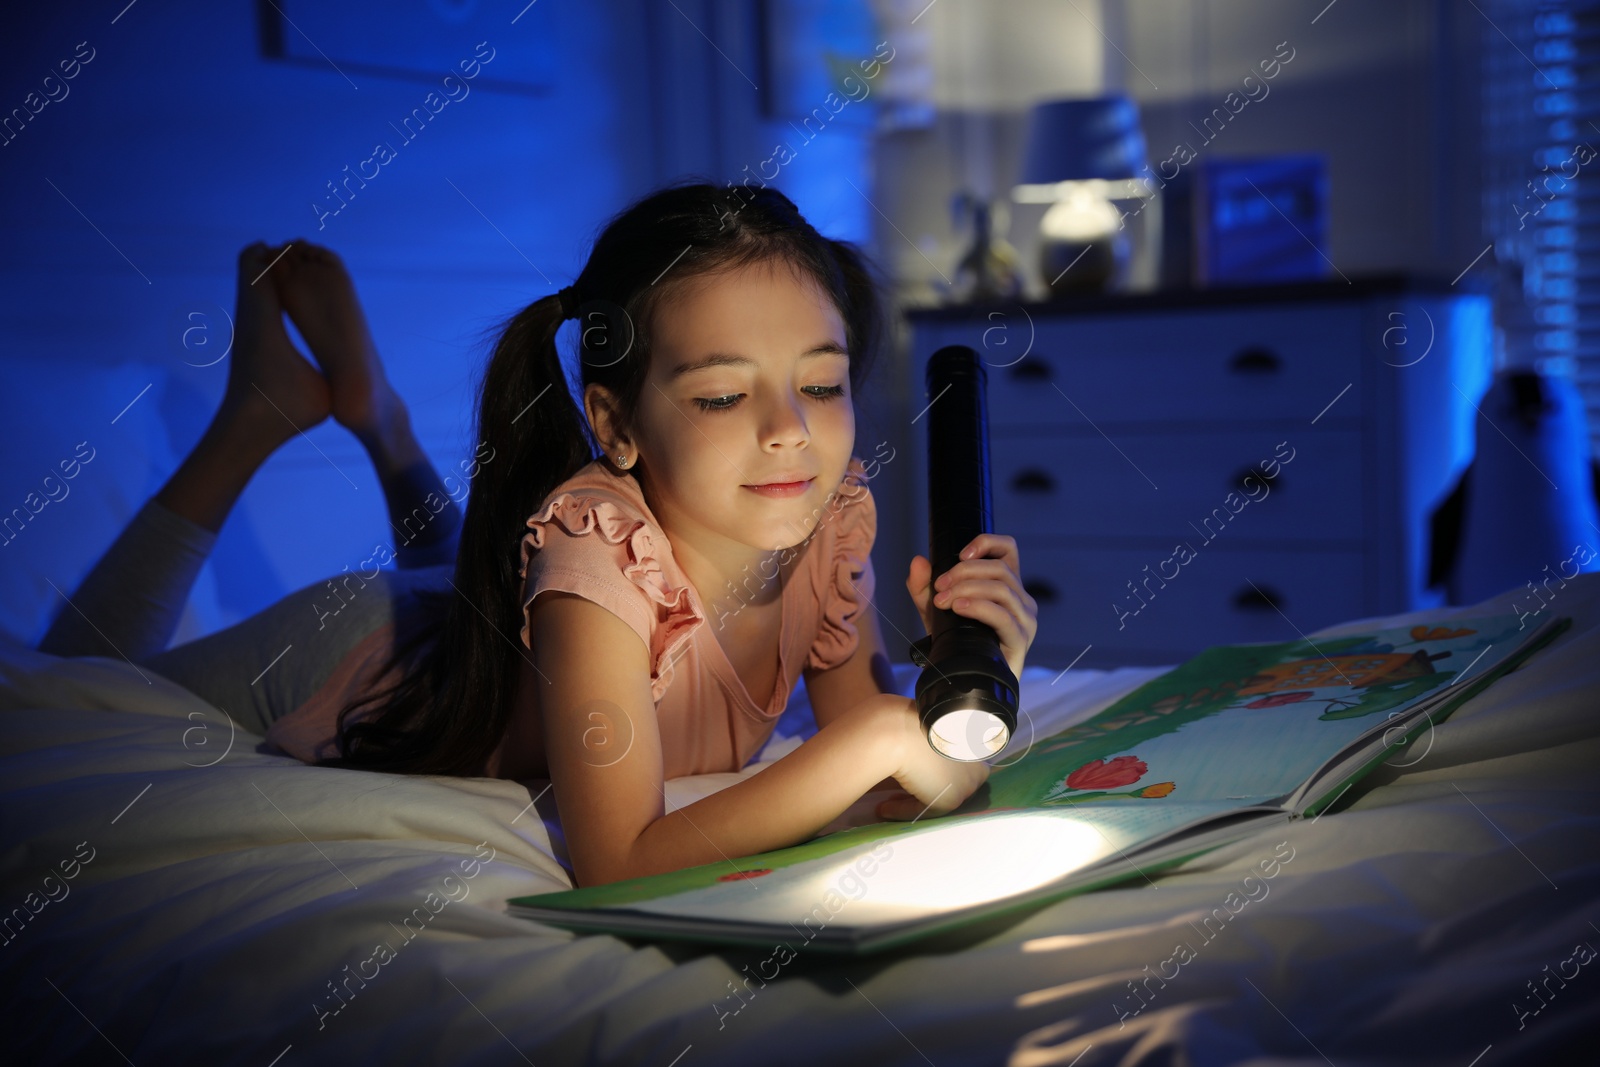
[784, 424]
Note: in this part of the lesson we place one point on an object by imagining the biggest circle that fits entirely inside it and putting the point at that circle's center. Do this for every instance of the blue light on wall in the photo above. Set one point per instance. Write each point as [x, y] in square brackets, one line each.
[178, 139]
[824, 61]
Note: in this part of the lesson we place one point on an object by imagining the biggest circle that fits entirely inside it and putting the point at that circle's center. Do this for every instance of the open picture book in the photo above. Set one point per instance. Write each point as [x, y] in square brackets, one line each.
[1236, 740]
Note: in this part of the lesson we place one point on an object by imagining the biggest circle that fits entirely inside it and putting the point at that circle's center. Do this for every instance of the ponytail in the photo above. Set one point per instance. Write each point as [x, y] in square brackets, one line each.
[531, 439]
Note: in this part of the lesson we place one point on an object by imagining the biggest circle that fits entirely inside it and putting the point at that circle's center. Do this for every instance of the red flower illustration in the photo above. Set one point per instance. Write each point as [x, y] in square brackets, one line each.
[739, 876]
[1098, 774]
[1278, 700]
[1437, 633]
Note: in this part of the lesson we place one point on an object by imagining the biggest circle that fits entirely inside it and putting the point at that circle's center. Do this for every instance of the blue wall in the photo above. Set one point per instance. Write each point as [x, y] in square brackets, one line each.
[176, 144]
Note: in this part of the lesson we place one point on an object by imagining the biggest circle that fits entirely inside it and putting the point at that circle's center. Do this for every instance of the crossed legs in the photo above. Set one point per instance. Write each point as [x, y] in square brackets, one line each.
[129, 604]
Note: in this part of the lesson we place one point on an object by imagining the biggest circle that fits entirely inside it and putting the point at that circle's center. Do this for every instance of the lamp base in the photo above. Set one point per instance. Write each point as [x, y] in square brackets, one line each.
[1074, 267]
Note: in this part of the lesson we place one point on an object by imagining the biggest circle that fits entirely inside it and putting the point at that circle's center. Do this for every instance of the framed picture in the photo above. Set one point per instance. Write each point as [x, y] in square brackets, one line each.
[826, 62]
[421, 41]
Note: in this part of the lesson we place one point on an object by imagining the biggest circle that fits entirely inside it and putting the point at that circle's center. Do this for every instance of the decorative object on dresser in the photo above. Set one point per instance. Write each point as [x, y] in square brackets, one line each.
[1187, 469]
[1255, 221]
[1081, 156]
[989, 270]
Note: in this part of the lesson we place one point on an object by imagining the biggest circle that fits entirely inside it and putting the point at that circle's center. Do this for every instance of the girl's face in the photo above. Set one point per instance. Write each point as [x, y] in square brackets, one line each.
[765, 398]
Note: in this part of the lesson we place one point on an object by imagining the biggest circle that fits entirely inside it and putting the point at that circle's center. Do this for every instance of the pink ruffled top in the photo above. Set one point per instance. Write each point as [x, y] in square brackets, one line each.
[596, 537]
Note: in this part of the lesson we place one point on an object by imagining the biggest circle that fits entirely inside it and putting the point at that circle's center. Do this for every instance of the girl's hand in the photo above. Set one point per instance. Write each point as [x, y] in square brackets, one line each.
[933, 784]
[986, 585]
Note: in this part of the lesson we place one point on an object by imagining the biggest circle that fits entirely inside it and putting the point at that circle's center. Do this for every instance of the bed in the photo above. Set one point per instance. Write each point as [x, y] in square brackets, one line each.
[184, 899]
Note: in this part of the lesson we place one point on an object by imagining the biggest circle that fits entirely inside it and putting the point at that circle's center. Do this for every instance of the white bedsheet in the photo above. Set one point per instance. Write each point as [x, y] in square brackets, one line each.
[228, 890]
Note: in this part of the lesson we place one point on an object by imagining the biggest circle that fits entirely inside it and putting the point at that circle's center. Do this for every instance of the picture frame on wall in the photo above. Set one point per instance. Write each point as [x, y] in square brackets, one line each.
[416, 42]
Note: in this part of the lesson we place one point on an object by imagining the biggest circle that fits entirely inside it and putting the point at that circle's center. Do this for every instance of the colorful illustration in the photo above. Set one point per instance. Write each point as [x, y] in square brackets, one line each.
[1096, 779]
[1337, 678]
[1352, 671]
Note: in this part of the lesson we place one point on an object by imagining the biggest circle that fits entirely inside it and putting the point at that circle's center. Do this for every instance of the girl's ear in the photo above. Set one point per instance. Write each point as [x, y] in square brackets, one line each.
[604, 422]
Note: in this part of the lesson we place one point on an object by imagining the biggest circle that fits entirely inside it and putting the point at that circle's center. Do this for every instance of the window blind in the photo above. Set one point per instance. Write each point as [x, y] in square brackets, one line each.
[1541, 130]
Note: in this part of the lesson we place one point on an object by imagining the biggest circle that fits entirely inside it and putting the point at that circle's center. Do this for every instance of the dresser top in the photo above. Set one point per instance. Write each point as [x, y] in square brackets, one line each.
[1357, 288]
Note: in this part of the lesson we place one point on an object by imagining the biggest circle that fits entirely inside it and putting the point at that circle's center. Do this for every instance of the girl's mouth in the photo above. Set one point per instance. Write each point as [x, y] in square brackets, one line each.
[782, 489]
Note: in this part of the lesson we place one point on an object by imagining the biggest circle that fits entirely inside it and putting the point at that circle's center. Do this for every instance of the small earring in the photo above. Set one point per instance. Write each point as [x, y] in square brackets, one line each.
[622, 461]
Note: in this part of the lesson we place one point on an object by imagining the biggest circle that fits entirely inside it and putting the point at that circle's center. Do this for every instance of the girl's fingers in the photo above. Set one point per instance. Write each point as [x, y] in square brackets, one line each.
[1015, 635]
[1004, 593]
[981, 570]
[919, 585]
[1012, 632]
[900, 807]
[921, 572]
[983, 553]
[993, 546]
[985, 585]
[987, 574]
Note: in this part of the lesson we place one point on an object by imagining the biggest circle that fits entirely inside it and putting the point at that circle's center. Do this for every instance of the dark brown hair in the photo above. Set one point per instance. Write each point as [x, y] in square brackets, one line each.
[453, 701]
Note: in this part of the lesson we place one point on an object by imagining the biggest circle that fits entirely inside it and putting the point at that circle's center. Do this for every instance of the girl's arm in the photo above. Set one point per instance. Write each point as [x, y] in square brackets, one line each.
[867, 673]
[604, 753]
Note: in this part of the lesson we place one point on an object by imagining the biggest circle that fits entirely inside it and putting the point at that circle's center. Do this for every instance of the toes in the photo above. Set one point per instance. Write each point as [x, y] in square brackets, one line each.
[305, 259]
[257, 289]
[283, 261]
[266, 274]
[321, 255]
[253, 257]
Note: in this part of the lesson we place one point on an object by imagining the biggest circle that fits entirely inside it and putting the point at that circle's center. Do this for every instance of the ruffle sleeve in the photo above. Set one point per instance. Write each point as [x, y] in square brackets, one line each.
[596, 548]
[848, 582]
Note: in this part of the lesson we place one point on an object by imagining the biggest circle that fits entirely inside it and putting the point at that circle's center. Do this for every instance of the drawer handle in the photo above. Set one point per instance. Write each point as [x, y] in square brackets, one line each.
[1251, 472]
[1031, 367]
[1040, 590]
[1263, 598]
[1256, 360]
[1033, 481]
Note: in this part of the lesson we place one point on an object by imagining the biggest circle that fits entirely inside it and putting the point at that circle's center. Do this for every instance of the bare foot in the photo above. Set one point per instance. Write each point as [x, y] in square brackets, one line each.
[272, 390]
[320, 298]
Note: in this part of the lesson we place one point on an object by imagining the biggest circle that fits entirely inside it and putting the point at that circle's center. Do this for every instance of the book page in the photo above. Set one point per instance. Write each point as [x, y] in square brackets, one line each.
[942, 865]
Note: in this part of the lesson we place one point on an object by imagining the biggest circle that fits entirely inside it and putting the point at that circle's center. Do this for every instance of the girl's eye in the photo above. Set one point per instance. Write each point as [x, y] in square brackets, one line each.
[717, 403]
[726, 403]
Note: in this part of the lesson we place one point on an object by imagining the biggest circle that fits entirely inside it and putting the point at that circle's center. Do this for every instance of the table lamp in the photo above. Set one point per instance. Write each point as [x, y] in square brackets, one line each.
[1082, 154]
[966, 694]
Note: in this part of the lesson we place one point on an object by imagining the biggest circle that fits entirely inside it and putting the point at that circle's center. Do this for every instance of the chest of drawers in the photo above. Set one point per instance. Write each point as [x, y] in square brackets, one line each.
[1214, 468]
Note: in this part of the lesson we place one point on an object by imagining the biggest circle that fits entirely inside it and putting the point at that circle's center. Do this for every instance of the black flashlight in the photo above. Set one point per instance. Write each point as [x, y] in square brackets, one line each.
[966, 693]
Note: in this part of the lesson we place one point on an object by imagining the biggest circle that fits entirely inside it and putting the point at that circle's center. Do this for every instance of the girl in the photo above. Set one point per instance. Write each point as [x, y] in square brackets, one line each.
[616, 620]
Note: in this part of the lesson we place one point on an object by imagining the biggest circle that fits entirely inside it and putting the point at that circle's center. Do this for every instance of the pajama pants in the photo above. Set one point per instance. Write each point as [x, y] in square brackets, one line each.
[262, 667]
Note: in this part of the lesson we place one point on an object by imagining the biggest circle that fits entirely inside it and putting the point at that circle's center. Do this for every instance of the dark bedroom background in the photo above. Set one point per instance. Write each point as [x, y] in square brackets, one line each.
[188, 131]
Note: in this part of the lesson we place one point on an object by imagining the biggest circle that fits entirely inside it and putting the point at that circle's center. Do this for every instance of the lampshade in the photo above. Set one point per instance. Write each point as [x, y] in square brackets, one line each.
[1074, 140]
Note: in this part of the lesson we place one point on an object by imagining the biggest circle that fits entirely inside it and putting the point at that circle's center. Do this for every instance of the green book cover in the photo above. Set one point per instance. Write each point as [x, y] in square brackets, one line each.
[1236, 738]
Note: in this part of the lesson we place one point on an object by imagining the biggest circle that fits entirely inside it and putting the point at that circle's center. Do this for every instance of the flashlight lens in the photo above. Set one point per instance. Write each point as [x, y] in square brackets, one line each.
[968, 734]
